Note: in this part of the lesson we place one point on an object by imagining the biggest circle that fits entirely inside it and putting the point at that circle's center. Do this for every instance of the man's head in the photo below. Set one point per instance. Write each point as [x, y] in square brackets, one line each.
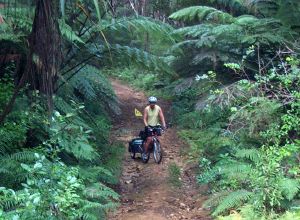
[152, 101]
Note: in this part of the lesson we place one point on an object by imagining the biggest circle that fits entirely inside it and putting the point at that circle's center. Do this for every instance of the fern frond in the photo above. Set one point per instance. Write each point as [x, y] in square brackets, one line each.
[204, 54]
[251, 154]
[94, 173]
[145, 59]
[87, 206]
[141, 25]
[215, 199]
[83, 85]
[195, 30]
[68, 33]
[62, 106]
[25, 156]
[8, 203]
[202, 13]
[80, 148]
[4, 171]
[94, 86]
[100, 191]
[89, 216]
[289, 187]
[234, 169]
[232, 200]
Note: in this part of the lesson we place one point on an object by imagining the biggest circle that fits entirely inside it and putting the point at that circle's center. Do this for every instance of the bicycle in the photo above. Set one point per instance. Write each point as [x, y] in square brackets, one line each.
[155, 146]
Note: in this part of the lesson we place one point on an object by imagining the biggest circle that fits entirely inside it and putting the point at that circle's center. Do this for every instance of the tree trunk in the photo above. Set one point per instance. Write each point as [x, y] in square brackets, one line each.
[45, 47]
[44, 57]
[143, 7]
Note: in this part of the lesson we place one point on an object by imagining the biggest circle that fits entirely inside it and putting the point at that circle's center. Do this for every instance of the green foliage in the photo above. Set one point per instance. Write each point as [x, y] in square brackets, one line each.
[68, 33]
[70, 136]
[174, 175]
[255, 117]
[142, 58]
[91, 85]
[202, 13]
[63, 201]
[222, 37]
[251, 154]
[232, 200]
[207, 143]
[144, 79]
[6, 89]
[141, 25]
[266, 170]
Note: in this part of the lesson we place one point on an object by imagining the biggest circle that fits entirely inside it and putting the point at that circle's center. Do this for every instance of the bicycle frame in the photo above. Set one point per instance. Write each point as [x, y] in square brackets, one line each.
[154, 133]
[154, 145]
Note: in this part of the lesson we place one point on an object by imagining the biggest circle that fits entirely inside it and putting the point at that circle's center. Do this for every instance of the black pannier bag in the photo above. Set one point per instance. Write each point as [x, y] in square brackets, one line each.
[135, 145]
[150, 130]
[158, 131]
[143, 135]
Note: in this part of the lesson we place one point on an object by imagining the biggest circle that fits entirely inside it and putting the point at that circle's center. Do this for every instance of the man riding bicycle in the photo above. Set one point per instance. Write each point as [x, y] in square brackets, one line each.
[152, 115]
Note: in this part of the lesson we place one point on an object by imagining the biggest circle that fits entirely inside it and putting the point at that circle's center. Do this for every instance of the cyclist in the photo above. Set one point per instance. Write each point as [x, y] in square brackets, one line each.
[152, 115]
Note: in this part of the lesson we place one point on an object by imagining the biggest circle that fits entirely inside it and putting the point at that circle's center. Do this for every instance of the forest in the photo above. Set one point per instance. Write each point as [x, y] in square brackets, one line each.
[229, 68]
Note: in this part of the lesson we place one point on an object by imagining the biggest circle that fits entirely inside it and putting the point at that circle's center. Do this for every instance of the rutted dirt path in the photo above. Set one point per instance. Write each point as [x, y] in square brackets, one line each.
[146, 192]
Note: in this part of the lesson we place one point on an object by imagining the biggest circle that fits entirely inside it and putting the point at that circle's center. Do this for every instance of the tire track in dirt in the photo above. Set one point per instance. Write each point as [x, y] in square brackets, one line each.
[145, 190]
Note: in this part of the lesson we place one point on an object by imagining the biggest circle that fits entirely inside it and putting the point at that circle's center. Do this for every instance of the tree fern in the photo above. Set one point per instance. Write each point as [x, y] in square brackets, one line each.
[240, 29]
[202, 13]
[92, 85]
[213, 42]
[140, 25]
[195, 30]
[140, 57]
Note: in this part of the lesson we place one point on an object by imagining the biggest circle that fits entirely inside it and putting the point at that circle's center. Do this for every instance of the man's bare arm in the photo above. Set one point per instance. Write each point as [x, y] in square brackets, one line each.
[145, 117]
[162, 118]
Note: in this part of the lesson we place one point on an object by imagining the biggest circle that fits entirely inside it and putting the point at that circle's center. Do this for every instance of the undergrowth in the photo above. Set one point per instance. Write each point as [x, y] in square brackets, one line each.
[174, 175]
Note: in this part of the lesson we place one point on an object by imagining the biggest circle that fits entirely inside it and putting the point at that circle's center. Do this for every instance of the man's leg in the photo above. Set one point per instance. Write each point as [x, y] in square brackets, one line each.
[146, 144]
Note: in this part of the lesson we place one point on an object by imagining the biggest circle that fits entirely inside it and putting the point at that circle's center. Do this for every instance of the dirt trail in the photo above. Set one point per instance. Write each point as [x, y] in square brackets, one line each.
[145, 190]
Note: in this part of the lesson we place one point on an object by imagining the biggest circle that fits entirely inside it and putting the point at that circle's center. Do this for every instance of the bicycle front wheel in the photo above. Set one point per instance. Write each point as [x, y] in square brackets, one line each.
[157, 153]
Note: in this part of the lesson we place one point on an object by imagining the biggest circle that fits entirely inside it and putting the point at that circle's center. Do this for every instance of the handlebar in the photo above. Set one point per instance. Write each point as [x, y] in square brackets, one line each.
[155, 129]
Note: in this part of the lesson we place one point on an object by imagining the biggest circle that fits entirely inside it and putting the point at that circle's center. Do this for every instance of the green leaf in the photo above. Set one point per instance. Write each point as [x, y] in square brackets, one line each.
[97, 10]
[25, 167]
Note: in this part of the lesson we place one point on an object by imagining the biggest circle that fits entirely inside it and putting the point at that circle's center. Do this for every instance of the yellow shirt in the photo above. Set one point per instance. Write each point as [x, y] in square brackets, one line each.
[153, 115]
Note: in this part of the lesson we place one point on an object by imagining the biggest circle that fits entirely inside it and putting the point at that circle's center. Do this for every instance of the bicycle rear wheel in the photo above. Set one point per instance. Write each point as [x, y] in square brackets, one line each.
[157, 153]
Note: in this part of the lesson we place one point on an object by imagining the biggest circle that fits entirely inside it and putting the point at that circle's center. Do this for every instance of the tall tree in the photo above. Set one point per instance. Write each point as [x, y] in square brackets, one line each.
[44, 56]
[45, 48]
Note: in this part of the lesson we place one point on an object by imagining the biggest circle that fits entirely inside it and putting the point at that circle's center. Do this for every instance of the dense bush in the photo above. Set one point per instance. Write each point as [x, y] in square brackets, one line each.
[253, 158]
